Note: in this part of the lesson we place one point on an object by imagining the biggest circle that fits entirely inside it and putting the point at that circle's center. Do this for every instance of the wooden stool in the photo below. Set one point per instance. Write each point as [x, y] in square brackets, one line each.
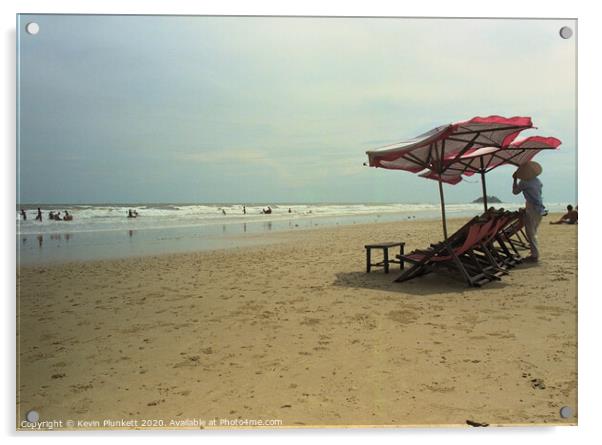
[385, 262]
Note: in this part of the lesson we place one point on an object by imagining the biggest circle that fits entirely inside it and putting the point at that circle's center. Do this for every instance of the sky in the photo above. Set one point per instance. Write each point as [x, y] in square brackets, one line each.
[130, 109]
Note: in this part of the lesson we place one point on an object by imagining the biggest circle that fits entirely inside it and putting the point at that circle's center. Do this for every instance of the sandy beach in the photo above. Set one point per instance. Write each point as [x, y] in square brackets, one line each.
[295, 330]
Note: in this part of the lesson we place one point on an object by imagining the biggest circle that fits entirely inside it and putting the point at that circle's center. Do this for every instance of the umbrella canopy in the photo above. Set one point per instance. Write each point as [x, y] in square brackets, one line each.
[434, 149]
[448, 142]
[483, 160]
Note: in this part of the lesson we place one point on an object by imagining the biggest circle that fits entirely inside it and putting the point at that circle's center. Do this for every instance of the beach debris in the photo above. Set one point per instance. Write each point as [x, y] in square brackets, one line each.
[57, 376]
[155, 402]
[538, 384]
[286, 406]
[476, 424]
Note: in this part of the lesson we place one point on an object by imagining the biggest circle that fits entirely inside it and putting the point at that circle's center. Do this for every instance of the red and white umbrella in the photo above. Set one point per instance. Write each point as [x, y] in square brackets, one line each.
[483, 160]
[436, 149]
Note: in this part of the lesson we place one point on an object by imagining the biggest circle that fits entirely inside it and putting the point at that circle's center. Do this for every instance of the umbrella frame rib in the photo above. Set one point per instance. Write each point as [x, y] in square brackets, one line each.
[440, 163]
[486, 168]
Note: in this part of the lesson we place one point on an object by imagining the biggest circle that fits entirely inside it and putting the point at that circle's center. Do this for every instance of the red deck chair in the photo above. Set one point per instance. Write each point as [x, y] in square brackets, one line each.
[500, 257]
[485, 253]
[515, 234]
[456, 258]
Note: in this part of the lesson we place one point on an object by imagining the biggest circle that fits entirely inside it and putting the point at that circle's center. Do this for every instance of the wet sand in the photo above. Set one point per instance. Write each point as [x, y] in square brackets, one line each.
[297, 331]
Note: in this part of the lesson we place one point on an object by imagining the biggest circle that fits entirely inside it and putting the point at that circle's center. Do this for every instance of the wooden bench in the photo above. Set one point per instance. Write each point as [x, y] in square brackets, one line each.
[386, 261]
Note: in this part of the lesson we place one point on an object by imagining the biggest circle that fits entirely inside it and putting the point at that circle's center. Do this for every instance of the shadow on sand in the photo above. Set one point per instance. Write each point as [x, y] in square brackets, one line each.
[523, 266]
[430, 284]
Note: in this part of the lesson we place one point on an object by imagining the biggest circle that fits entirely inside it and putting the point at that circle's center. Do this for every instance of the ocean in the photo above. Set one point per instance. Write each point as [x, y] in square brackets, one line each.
[104, 231]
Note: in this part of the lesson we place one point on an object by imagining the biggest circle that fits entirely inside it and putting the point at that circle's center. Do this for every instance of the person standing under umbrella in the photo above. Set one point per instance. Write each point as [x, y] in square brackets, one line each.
[526, 181]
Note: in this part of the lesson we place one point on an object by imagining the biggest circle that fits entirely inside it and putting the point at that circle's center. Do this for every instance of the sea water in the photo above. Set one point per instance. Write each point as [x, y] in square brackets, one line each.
[104, 230]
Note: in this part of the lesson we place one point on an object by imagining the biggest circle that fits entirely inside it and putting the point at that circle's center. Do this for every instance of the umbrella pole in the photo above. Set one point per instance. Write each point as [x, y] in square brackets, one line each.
[442, 208]
[484, 189]
[483, 185]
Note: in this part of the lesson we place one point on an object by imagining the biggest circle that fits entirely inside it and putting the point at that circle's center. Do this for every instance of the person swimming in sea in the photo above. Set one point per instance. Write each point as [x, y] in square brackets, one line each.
[67, 216]
[39, 215]
[23, 215]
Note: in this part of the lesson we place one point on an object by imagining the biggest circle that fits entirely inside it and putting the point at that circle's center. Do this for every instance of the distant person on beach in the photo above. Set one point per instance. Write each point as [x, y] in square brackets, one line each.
[289, 210]
[39, 215]
[570, 217]
[223, 212]
[57, 217]
[526, 181]
[51, 215]
[244, 210]
[132, 214]
[67, 216]
[23, 215]
[267, 211]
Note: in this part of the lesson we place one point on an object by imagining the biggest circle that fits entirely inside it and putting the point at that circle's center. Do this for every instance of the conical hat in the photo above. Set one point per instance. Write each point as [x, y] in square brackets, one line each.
[528, 170]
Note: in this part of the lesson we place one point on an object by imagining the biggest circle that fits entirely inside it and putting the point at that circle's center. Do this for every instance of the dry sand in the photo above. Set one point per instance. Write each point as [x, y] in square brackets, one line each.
[297, 331]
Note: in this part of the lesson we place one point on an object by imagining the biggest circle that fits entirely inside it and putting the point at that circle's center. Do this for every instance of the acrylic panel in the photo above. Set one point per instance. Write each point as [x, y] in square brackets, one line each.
[276, 222]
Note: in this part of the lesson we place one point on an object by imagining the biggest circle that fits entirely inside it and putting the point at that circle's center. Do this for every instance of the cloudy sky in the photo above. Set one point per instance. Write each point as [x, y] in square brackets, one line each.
[232, 109]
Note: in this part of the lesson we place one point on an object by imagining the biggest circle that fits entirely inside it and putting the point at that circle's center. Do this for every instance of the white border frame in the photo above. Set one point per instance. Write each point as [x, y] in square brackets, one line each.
[589, 302]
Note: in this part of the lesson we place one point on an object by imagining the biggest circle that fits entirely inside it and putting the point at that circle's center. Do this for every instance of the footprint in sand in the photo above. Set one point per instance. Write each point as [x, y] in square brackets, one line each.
[189, 362]
[155, 402]
[537, 384]
[82, 406]
[80, 388]
[402, 316]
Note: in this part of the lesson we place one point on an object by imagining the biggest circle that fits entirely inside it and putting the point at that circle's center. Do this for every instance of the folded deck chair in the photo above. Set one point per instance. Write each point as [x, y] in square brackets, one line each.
[490, 258]
[507, 248]
[502, 255]
[511, 226]
[455, 253]
[484, 257]
[509, 240]
[515, 234]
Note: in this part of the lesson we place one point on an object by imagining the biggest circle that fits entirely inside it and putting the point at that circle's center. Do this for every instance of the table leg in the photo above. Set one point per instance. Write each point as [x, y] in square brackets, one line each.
[368, 260]
[386, 254]
[401, 262]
